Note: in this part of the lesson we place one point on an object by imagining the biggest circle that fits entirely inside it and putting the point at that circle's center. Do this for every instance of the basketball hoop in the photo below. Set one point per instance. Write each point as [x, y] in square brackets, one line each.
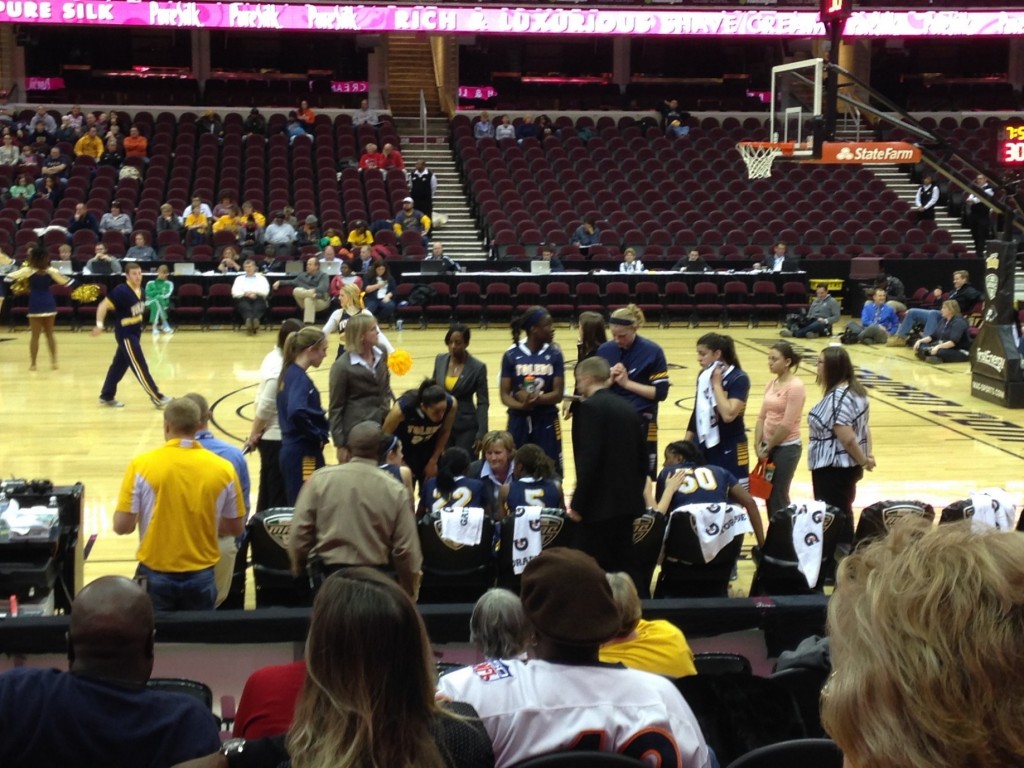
[759, 156]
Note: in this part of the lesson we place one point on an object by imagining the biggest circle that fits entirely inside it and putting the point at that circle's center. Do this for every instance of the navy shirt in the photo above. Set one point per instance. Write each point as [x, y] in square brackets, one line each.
[129, 310]
[645, 363]
[707, 484]
[533, 371]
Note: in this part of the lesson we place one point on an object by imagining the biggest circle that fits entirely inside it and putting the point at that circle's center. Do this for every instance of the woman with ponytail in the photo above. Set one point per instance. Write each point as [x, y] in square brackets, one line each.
[422, 419]
[451, 488]
[304, 428]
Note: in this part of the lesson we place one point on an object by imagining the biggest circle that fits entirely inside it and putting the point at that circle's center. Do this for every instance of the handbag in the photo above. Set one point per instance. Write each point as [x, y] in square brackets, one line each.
[760, 479]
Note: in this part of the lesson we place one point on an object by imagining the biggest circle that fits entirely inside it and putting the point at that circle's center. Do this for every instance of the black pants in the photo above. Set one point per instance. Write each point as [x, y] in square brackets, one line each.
[271, 490]
[610, 542]
[838, 486]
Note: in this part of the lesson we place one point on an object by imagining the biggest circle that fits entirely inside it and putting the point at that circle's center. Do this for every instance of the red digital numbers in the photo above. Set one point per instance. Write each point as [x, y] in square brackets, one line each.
[1010, 146]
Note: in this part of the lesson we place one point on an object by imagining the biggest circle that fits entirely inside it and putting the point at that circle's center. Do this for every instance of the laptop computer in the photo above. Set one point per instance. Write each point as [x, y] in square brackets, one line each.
[331, 267]
[540, 267]
[64, 267]
[294, 267]
[432, 267]
[184, 268]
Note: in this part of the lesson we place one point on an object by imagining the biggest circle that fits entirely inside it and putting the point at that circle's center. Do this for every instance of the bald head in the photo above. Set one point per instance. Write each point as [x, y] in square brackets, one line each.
[111, 630]
[364, 439]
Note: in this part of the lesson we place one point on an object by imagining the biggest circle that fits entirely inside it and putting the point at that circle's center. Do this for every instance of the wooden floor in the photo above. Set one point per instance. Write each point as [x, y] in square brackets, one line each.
[932, 440]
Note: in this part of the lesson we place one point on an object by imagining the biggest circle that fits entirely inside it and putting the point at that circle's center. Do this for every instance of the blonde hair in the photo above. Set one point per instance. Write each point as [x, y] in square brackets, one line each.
[952, 305]
[354, 294]
[926, 627]
[502, 438]
[295, 343]
[630, 312]
[627, 600]
[356, 328]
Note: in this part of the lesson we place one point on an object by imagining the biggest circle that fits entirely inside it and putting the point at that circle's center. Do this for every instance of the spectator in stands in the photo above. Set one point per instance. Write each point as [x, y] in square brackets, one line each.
[102, 263]
[250, 291]
[75, 117]
[544, 128]
[333, 238]
[9, 152]
[210, 122]
[652, 646]
[531, 709]
[506, 130]
[24, 189]
[82, 219]
[158, 298]
[949, 342]
[141, 251]
[168, 221]
[497, 467]
[29, 160]
[135, 144]
[527, 129]
[379, 291]
[229, 222]
[692, 262]
[392, 158]
[312, 289]
[116, 221]
[55, 165]
[330, 263]
[90, 144]
[306, 114]
[908, 609]
[348, 515]
[181, 497]
[230, 261]
[437, 254]
[423, 187]
[67, 131]
[100, 711]
[412, 219]
[294, 127]
[586, 235]
[630, 263]
[965, 294]
[371, 158]
[359, 236]
[249, 210]
[51, 189]
[484, 128]
[926, 198]
[498, 628]
[364, 115]
[878, 321]
[114, 133]
[197, 204]
[44, 117]
[267, 704]
[363, 262]
[223, 208]
[547, 253]
[280, 234]
[255, 123]
[979, 215]
[250, 229]
[821, 316]
[308, 234]
[674, 121]
[781, 260]
[111, 155]
[360, 380]
[197, 226]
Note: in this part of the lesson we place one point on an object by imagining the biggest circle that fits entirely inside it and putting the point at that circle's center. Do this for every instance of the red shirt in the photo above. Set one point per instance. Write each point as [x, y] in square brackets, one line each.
[267, 706]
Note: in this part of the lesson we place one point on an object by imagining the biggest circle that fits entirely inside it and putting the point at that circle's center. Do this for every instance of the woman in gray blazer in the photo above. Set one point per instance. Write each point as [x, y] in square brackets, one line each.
[465, 378]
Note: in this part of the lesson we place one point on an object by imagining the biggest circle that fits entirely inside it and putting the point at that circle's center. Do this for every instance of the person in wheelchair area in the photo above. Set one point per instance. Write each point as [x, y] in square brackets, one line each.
[694, 482]
[818, 320]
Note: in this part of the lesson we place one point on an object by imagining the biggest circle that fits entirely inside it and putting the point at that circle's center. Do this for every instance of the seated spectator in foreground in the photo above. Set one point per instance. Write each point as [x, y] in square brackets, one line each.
[267, 704]
[878, 321]
[821, 316]
[141, 251]
[693, 262]
[630, 263]
[230, 261]
[135, 144]
[280, 234]
[498, 628]
[586, 235]
[102, 263]
[547, 253]
[563, 694]
[411, 219]
[100, 711]
[372, 704]
[392, 158]
[951, 343]
[116, 221]
[925, 624]
[312, 289]
[652, 646]
[250, 291]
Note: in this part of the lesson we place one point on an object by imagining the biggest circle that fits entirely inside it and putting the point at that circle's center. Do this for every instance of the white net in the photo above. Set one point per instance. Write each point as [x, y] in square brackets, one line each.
[758, 159]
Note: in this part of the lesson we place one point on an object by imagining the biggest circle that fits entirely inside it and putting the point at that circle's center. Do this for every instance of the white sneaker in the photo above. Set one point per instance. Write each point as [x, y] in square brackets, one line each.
[168, 330]
[111, 403]
[162, 401]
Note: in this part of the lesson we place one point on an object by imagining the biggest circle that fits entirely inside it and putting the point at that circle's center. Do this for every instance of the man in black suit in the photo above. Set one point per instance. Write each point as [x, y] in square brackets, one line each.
[781, 260]
[611, 468]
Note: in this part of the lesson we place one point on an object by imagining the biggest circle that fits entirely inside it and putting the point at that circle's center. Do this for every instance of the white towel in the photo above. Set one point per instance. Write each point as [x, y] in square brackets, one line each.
[462, 526]
[993, 508]
[808, 539]
[717, 525]
[704, 410]
[526, 537]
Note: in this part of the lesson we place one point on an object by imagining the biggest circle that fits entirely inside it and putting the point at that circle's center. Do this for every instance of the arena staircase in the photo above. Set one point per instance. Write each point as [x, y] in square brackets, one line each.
[410, 70]
[900, 182]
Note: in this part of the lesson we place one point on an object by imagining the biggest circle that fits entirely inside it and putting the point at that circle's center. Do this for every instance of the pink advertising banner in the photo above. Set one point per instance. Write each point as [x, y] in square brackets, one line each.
[508, 20]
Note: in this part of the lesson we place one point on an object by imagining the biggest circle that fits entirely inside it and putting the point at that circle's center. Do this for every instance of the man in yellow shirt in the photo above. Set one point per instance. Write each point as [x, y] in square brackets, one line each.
[90, 144]
[181, 497]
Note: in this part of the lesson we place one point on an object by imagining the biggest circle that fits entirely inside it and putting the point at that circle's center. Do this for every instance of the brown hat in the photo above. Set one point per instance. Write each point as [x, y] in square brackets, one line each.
[568, 599]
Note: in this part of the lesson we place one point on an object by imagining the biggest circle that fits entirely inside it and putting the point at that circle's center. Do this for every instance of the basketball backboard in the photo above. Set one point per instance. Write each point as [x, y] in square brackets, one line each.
[797, 106]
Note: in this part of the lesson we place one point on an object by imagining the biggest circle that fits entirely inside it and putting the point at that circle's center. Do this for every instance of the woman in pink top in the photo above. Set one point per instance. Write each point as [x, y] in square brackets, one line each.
[777, 431]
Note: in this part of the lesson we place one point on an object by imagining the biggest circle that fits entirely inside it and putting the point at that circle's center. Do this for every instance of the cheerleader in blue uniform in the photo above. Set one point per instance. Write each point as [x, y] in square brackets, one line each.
[532, 384]
[535, 483]
[42, 307]
[422, 420]
[451, 488]
[304, 428]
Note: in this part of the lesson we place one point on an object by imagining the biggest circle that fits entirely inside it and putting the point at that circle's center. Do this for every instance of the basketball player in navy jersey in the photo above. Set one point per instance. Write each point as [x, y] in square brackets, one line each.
[451, 488]
[535, 483]
[533, 382]
[129, 306]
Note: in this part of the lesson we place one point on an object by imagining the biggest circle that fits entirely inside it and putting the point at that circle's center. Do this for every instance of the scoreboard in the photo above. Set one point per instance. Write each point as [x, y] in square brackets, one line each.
[1010, 145]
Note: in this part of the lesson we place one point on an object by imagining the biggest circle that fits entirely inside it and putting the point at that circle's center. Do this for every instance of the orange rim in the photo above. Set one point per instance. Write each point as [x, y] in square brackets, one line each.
[786, 148]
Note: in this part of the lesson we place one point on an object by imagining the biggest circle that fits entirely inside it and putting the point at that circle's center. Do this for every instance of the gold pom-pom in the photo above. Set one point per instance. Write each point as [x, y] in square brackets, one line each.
[400, 362]
[20, 286]
[86, 293]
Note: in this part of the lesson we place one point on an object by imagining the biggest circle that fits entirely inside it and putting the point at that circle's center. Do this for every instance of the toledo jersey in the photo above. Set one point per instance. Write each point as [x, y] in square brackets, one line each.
[468, 492]
[527, 492]
[533, 372]
[645, 363]
[418, 434]
[704, 484]
[129, 309]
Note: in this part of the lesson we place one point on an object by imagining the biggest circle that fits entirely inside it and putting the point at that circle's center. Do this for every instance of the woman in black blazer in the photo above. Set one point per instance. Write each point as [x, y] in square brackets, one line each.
[465, 378]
